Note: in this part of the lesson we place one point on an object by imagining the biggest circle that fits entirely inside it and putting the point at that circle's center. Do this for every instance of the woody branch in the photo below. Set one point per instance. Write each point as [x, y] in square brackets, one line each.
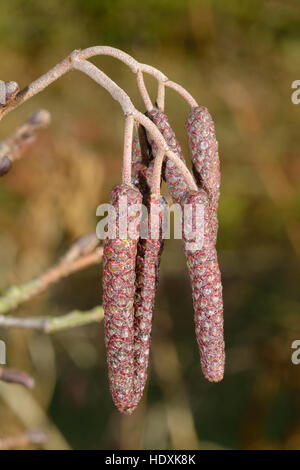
[14, 147]
[83, 253]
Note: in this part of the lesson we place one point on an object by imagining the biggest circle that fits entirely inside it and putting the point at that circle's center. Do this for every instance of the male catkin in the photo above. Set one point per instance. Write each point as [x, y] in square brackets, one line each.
[119, 260]
[149, 252]
[206, 287]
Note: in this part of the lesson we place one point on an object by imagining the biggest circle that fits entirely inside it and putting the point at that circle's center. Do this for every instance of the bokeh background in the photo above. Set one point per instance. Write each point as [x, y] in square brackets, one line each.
[238, 59]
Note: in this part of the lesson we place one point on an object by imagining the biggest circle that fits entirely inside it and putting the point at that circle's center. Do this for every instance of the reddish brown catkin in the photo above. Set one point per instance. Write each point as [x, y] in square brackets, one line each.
[204, 152]
[119, 262]
[206, 287]
[147, 268]
[148, 261]
[177, 185]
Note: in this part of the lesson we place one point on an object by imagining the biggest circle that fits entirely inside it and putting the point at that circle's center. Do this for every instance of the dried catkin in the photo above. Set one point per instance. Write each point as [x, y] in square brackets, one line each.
[204, 153]
[206, 285]
[119, 262]
[176, 183]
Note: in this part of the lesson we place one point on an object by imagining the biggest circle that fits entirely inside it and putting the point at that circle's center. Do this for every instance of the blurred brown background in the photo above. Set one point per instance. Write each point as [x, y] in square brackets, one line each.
[238, 59]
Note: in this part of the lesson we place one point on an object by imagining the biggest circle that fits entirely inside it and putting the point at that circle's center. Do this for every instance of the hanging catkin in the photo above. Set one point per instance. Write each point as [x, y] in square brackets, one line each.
[206, 284]
[147, 269]
[149, 252]
[119, 262]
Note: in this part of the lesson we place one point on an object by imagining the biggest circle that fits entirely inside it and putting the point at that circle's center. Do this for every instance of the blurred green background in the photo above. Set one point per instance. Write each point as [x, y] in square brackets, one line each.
[238, 59]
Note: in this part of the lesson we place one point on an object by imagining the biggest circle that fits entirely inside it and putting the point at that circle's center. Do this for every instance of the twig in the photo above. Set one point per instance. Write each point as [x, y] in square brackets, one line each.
[9, 91]
[156, 177]
[183, 92]
[53, 324]
[16, 145]
[137, 67]
[77, 258]
[23, 440]
[75, 61]
[143, 91]
[16, 376]
[128, 134]
[160, 100]
[118, 94]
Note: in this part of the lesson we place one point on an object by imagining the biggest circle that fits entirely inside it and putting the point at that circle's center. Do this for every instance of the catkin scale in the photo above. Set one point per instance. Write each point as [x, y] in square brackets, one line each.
[176, 183]
[206, 289]
[119, 263]
[204, 153]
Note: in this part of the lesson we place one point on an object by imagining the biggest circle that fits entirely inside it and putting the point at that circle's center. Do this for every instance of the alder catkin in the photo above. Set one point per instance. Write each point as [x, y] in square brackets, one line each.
[119, 263]
[204, 153]
[176, 183]
[206, 285]
[147, 270]
[149, 250]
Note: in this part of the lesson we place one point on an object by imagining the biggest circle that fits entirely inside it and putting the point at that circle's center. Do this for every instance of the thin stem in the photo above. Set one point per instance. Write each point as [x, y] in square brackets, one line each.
[73, 62]
[14, 147]
[52, 324]
[135, 67]
[102, 79]
[143, 91]
[66, 65]
[124, 57]
[127, 153]
[156, 177]
[160, 101]
[183, 92]
[17, 295]
[39, 84]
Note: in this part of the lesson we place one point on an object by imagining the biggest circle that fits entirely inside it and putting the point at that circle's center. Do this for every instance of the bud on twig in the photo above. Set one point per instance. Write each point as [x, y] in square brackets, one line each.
[5, 166]
[8, 92]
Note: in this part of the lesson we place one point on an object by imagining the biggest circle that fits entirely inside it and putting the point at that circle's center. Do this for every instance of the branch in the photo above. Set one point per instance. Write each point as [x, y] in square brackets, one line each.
[156, 176]
[18, 143]
[75, 61]
[143, 91]
[81, 254]
[137, 67]
[16, 376]
[53, 324]
[23, 440]
[118, 94]
[183, 92]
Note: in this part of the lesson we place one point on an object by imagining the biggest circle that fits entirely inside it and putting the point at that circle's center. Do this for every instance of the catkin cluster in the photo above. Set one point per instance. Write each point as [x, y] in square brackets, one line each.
[131, 267]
